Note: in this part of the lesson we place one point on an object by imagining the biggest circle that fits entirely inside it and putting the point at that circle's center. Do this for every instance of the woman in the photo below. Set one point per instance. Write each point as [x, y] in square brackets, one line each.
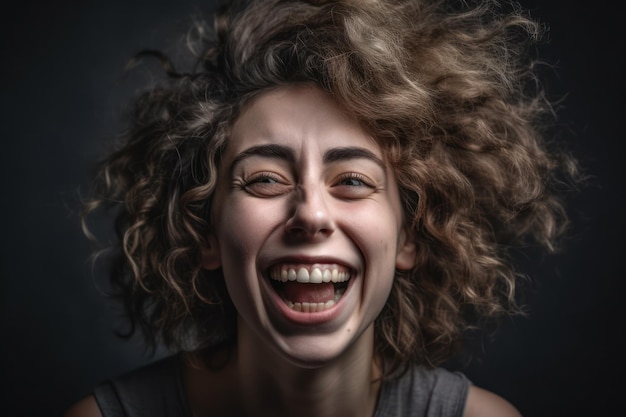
[313, 219]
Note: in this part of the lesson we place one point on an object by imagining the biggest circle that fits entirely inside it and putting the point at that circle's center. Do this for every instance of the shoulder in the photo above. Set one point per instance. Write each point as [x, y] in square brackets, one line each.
[483, 403]
[136, 387]
[87, 407]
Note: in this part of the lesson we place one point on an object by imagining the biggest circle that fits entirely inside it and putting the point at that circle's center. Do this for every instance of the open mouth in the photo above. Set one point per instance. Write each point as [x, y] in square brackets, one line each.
[309, 288]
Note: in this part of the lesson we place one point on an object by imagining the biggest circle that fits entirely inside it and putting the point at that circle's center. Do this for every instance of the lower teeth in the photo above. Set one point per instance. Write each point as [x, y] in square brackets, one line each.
[314, 307]
[310, 307]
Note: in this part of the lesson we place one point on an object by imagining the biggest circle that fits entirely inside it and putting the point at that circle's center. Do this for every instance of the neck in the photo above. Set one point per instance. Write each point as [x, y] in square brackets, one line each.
[259, 381]
[347, 386]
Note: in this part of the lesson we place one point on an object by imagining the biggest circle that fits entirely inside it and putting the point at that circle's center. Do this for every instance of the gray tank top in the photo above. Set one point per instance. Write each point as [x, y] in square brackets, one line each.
[156, 390]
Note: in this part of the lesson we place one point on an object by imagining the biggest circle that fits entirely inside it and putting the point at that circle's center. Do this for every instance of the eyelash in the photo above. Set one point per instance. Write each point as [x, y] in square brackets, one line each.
[259, 177]
[268, 184]
[354, 176]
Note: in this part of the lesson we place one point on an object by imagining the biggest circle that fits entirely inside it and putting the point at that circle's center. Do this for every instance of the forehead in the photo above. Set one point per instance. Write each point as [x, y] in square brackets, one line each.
[301, 117]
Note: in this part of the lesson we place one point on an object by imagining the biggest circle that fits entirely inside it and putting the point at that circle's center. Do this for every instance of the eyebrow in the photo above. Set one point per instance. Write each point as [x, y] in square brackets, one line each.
[266, 151]
[352, 152]
[287, 154]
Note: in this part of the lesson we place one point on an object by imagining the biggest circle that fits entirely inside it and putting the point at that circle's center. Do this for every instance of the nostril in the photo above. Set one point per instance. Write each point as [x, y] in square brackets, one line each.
[310, 214]
[311, 224]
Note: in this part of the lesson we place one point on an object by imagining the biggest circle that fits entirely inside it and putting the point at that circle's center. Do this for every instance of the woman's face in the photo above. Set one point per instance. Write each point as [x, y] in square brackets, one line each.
[307, 225]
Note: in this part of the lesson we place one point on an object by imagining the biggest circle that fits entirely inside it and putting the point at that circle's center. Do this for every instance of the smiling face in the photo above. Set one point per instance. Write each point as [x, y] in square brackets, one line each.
[308, 225]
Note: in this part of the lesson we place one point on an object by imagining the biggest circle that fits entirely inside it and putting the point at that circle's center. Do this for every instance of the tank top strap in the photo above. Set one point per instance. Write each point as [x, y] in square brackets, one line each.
[155, 390]
[422, 392]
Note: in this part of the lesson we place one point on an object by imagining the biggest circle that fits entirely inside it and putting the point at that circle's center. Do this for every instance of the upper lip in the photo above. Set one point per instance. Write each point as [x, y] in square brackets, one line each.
[309, 260]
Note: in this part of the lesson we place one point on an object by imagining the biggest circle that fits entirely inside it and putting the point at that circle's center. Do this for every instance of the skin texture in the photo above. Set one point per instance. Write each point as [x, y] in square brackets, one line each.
[303, 185]
[323, 196]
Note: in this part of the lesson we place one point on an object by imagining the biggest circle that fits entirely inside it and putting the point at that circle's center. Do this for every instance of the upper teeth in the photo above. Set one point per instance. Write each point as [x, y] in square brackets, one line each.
[316, 275]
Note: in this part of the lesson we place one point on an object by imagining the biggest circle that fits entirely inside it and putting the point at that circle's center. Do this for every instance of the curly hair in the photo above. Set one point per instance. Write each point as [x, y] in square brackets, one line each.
[449, 92]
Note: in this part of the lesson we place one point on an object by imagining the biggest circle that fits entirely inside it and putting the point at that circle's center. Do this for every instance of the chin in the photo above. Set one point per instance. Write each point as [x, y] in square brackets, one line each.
[312, 351]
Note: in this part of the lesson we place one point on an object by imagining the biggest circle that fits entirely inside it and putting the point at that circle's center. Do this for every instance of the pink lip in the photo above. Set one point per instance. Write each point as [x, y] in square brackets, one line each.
[308, 260]
[299, 317]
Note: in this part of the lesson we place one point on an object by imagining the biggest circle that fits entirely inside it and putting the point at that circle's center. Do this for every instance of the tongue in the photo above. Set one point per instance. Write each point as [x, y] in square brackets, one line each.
[309, 293]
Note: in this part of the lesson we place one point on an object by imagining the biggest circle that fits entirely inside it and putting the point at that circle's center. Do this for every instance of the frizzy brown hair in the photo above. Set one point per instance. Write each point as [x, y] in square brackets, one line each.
[450, 95]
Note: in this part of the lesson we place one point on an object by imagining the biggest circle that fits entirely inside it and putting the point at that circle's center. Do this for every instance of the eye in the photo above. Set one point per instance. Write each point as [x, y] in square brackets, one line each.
[352, 185]
[263, 179]
[266, 184]
[353, 179]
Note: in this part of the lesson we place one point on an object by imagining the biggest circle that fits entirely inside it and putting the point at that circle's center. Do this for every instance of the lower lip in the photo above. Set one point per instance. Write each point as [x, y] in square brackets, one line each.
[299, 317]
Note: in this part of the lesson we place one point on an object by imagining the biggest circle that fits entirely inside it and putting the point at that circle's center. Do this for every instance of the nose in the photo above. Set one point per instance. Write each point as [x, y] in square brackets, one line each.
[310, 217]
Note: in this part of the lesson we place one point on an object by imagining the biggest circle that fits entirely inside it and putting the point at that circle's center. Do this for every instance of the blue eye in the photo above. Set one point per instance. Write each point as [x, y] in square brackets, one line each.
[354, 182]
[353, 186]
[266, 184]
[263, 180]
[352, 179]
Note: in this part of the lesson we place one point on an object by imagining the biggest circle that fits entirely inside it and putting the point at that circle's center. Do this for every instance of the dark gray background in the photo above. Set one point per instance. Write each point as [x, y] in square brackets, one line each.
[62, 99]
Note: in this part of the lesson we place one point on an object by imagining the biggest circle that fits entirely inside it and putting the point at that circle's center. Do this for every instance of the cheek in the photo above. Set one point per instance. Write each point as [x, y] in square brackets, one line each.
[376, 232]
[239, 236]
[244, 227]
[236, 238]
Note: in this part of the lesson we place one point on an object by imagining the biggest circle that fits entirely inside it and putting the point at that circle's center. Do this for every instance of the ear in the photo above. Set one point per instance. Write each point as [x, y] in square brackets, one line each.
[405, 258]
[210, 254]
